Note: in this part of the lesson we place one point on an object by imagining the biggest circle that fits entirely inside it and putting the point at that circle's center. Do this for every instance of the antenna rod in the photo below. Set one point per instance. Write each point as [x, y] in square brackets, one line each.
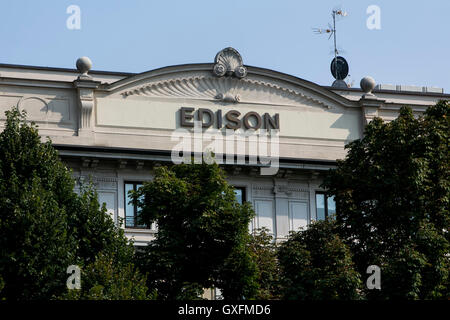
[334, 36]
[338, 73]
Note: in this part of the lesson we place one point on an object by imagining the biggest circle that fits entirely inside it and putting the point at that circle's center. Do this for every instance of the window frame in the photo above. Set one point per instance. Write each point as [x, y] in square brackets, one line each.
[325, 200]
[136, 226]
[244, 192]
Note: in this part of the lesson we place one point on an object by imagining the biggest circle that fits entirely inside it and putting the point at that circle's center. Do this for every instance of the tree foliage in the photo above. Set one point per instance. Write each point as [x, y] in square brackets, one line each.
[95, 231]
[238, 276]
[316, 264]
[34, 240]
[264, 252]
[44, 225]
[392, 195]
[202, 233]
[107, 279]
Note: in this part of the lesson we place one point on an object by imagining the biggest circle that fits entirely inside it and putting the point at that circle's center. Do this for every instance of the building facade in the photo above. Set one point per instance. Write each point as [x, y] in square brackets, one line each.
[115, 128]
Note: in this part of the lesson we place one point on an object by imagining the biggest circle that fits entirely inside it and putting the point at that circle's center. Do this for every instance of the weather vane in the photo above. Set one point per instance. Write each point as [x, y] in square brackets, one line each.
[339, 66]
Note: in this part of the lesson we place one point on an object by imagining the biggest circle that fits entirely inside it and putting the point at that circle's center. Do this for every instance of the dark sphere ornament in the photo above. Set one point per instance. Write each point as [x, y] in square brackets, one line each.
[84, 64]
[339, 68]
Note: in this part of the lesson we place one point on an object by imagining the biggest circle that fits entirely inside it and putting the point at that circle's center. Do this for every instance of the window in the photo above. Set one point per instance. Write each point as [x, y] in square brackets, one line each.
[325, 206]
[131, 210]
[218, 294]
[240, 194]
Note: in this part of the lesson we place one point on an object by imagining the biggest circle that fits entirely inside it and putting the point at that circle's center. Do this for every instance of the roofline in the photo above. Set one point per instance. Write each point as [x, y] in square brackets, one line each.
[432, 94]
[130, 74]
[58, 69]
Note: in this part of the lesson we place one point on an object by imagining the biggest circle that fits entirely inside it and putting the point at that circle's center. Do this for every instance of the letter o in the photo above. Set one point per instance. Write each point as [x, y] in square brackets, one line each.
[247, 123]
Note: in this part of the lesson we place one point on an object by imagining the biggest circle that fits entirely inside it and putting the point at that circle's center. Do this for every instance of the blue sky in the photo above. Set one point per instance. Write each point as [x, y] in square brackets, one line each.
[412, 47]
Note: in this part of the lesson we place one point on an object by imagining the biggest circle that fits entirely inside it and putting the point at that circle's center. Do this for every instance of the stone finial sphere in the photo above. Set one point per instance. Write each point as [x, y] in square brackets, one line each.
[367, 84]
[84, 64]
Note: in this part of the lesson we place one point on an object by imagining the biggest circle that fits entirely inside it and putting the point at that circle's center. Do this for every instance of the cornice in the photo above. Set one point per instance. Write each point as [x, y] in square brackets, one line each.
[41, 83]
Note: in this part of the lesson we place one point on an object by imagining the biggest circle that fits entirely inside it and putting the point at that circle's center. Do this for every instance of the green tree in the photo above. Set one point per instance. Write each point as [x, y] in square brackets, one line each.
[316, 264]
[34, 241]
[44, 225]
[200, 227]
[105, 256]
[392, 195]
[94, 230]
[107, 279]
[238, 275]
[264, 252]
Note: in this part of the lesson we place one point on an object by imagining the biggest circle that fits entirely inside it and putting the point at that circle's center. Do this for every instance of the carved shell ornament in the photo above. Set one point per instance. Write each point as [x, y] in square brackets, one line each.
[228, 62]
[227, 89]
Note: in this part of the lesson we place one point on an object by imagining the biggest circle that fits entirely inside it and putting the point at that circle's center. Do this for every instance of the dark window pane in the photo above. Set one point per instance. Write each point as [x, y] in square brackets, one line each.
[129, 207]
[132, 211]
[139, 224]
[138, 210]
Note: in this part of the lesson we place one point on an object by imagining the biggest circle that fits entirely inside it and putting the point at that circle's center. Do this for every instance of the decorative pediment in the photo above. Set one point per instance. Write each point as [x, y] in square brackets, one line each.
[228, 81]
[226, 89]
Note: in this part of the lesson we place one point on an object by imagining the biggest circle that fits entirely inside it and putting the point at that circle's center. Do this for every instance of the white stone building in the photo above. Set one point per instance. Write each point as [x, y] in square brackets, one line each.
[115, 127]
